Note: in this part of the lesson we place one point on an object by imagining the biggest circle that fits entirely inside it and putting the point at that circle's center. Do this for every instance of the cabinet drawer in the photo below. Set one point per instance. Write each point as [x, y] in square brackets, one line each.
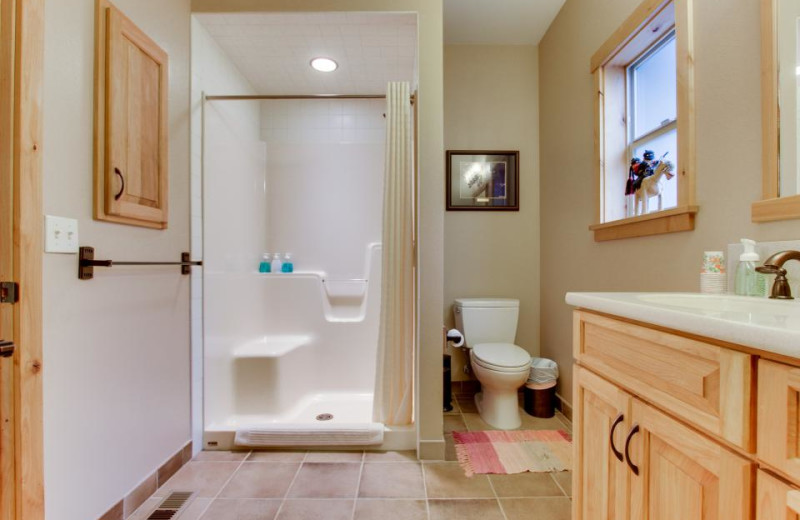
[779, 417]
[704, 384]
[776, 500]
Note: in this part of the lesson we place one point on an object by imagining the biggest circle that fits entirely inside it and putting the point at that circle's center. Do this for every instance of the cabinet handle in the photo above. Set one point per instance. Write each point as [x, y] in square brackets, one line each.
[122, 180]
[633, 466]
[617, 453]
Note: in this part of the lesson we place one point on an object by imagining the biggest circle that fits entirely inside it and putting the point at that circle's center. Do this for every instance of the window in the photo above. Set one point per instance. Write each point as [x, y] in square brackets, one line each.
[644, 109]
[652, 114]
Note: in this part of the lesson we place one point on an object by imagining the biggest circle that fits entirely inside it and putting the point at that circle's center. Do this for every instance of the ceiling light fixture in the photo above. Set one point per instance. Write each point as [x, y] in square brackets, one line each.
[324, 64]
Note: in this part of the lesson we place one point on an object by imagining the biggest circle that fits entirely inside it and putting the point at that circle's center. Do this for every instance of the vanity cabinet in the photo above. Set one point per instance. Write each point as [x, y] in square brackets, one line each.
[776, 500]
[702, 383]
[778, 419]
[602, 416]
[666, 426]
[635, 462]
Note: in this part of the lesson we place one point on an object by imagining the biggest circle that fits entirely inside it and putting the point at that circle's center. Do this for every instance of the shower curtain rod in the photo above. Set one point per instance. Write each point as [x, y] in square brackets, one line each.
[302, 96]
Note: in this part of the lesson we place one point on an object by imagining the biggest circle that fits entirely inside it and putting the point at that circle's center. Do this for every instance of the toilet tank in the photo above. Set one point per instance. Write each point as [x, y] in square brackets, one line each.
[487, 320]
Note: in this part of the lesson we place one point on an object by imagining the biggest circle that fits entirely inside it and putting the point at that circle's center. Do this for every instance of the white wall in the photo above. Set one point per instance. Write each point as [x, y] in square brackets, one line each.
[728, 119]
[325, 163]
[116, 348]
[494, 253]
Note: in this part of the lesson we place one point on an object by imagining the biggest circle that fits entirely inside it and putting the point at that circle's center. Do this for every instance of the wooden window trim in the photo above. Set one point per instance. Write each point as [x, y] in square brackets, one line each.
[771, 207]
[647, 24]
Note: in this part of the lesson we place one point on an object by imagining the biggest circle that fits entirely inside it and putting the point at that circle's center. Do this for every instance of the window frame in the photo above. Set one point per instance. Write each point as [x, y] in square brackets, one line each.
[651, 24]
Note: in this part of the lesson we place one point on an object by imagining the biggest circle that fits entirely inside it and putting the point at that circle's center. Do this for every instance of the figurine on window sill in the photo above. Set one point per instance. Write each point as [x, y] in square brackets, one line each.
[630, 191]
[652, 182]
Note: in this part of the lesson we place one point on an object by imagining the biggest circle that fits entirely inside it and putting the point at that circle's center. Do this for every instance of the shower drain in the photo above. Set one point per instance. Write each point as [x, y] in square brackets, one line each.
[325, 417]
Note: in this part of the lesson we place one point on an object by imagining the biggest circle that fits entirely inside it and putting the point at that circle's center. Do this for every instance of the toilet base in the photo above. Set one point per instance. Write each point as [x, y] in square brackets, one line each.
[499, 409]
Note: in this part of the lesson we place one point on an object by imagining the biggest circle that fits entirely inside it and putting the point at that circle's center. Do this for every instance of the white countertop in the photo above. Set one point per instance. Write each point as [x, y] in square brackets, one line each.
[769, 325]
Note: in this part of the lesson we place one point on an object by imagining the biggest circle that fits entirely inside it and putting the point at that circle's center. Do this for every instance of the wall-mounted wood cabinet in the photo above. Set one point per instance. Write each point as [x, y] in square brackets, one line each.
[131, 83]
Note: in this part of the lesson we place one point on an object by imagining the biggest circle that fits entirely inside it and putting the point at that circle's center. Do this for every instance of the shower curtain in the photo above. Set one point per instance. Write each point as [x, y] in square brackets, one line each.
[393, 403]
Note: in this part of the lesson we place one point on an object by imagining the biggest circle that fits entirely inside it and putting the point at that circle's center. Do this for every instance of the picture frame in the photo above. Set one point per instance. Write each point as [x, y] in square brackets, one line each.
[482, 180]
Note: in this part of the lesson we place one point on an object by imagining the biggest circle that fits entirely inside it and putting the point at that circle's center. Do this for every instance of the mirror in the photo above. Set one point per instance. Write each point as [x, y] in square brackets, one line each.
[780, 34]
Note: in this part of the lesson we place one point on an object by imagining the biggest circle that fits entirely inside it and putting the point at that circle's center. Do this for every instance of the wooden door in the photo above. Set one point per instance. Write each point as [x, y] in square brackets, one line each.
[776, 500]
[21, 223]
[602, 480]
[7, 473]
[682, 474]
[136, 83]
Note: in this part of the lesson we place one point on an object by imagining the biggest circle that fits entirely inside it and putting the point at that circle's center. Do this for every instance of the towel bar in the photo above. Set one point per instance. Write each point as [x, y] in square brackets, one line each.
[87, 263]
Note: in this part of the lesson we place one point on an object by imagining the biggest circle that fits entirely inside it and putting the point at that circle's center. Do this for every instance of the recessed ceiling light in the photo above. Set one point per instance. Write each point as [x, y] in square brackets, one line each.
[324, 64]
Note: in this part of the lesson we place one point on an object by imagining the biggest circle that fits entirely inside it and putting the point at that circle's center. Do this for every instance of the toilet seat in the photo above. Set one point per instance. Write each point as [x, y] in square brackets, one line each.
[501, 357]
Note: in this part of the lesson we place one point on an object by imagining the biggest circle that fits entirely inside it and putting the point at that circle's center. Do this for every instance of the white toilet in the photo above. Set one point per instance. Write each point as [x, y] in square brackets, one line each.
[489, 326]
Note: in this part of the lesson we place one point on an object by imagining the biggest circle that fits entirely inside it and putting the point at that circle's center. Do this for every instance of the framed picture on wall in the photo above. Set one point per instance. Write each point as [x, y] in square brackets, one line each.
[482, 180]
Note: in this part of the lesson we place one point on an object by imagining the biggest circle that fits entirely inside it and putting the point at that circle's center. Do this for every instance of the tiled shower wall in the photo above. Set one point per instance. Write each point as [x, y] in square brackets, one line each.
[325, 168]
[315, 121]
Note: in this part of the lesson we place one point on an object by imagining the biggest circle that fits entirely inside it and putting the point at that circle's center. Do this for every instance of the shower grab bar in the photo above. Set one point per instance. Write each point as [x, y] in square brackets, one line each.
[87, 263]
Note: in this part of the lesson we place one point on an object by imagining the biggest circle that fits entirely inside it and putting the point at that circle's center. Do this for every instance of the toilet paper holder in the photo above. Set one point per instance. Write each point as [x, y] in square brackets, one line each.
[455, 338]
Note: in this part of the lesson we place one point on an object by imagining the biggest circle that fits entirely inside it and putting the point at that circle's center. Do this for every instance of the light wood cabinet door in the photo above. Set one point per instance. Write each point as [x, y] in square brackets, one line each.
[703, 384]
[776, 500]
[779, 417]
[134, 180]
[601, 479]
[682, 474]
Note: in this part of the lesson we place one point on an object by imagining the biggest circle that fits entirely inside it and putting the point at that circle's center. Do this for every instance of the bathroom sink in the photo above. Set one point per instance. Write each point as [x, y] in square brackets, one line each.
[773, 325]
[721, 303]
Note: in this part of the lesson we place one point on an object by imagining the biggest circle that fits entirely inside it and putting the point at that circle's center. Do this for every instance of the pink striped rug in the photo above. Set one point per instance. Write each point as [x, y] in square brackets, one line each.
[513, 451]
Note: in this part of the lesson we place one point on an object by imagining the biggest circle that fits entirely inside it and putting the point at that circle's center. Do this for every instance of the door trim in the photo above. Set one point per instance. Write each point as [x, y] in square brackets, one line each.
[23, 69]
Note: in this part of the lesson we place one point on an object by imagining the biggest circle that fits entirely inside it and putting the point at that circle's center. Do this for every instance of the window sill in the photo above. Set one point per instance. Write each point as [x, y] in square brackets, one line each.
[668, 221]
[783, 208]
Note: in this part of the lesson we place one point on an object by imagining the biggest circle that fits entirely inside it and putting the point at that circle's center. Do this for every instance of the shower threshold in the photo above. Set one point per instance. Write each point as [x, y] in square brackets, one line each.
[351, 425]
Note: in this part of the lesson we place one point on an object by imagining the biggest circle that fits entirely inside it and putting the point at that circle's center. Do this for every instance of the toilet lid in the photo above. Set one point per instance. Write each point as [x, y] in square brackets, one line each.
[501, 355]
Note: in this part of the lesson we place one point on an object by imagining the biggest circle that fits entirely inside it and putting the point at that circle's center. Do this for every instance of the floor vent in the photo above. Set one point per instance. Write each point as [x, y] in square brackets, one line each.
[170, 506]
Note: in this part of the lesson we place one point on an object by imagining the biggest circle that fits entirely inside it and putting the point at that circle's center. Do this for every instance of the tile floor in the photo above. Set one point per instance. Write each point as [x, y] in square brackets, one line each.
[330, 485]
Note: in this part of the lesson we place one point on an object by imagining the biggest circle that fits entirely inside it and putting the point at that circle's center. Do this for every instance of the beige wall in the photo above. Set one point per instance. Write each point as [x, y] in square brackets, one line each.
[116, 348]
[727, 95]
[431, 165]
[491, 102]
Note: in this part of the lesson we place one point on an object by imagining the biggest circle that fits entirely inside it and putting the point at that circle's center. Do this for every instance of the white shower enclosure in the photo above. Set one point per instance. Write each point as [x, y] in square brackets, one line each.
[290, 357]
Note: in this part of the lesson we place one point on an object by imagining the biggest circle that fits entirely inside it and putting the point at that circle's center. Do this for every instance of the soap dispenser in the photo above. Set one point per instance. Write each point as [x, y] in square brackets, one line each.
[288, 265]
[276, 263]
[748, 281]
[265, 266]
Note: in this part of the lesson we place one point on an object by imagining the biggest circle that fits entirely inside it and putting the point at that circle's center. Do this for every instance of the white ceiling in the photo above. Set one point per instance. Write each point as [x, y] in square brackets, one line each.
[499, 22]
[273, 50]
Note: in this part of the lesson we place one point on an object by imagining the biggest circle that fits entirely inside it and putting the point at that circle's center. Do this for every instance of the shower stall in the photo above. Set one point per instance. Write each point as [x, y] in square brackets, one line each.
[292, 359]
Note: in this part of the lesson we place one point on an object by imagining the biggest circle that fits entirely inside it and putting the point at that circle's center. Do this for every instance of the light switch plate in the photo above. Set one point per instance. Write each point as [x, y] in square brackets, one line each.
[60, 234]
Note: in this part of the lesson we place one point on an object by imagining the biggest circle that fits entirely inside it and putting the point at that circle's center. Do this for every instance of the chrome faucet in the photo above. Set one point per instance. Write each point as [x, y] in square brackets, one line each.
[774, 265]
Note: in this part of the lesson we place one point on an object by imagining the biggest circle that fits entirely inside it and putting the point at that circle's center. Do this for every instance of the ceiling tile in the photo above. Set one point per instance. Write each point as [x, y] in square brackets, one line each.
[273, 50]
